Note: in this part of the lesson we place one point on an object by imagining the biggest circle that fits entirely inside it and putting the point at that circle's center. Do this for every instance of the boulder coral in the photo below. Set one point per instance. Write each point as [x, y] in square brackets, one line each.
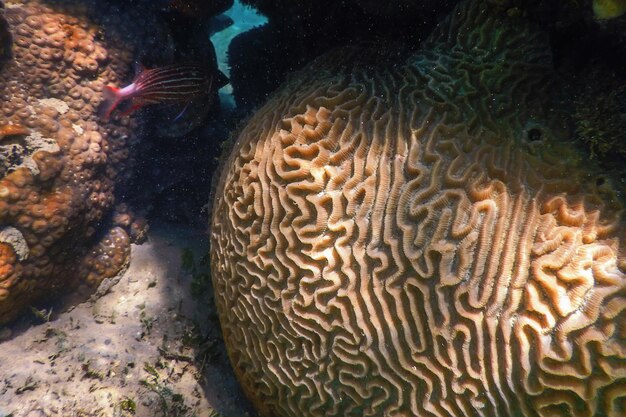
[413, 234]
[58, 164]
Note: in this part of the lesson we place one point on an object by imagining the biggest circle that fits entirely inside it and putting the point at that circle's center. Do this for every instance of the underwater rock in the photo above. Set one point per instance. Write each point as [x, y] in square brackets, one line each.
[59, 164]
[415, 235]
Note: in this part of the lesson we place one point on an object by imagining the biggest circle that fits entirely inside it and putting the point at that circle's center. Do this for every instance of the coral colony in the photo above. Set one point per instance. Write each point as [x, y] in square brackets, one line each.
[62, 164]
[395, 236]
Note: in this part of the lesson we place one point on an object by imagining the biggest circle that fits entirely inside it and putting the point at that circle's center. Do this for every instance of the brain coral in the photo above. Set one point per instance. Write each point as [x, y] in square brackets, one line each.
[413, 235]
[58, 164]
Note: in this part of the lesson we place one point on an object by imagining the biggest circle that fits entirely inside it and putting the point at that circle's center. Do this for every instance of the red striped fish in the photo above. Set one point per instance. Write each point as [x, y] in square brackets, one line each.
[173, 84]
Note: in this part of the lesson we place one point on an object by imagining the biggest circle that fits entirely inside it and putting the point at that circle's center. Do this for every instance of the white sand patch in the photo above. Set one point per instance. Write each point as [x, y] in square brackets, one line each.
[133, 344]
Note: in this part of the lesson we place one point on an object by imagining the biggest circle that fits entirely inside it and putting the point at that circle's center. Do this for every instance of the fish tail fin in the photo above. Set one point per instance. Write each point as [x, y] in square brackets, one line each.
[112, 99]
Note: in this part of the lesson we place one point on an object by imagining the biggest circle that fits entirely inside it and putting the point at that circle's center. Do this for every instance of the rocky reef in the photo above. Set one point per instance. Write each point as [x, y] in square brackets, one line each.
[416, 234]
[59, 164]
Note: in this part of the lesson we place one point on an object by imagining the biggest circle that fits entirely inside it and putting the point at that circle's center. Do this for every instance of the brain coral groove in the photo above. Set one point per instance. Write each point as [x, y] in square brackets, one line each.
[413, 235]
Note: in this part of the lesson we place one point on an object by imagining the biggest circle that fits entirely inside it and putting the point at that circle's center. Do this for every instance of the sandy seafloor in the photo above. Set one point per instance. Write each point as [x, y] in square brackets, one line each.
[142, 345]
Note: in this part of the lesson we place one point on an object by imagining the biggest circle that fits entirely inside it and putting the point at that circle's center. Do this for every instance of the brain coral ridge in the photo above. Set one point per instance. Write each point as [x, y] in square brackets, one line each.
[58, 164]
[414, 235]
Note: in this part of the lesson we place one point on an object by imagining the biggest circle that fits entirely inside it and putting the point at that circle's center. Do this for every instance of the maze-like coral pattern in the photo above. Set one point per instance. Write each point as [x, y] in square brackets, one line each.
[59, 164]
[414, 236]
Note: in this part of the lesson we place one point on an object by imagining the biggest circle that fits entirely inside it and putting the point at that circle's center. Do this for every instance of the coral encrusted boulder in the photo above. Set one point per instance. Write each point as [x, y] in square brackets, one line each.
[414, 235]
[59, 163]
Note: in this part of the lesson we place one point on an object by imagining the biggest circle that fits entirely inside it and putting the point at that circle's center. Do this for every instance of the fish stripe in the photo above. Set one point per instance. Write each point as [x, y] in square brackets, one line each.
[171, 77]
[175, 78]
[178, 89]
[152, 75]
[175, 86]
[172, 83]
[180, 92]
[166, 94]
[174, 89]
[172, 95]
[164, 77]
[178, 80]
[172, 68]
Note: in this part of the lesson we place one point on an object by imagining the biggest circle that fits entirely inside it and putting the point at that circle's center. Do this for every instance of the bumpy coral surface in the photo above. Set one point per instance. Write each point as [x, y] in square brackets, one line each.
[414, 236]
[58, 164]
